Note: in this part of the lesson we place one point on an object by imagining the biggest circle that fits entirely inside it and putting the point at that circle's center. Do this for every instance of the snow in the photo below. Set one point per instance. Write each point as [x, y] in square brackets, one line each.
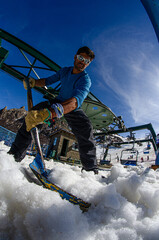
[125, 204]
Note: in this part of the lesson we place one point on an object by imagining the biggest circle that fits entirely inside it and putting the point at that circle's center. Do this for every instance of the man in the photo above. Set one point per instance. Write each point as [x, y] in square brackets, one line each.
[75, 85]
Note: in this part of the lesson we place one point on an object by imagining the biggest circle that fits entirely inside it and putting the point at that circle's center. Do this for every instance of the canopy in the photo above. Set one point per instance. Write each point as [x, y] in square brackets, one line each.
[152, 9]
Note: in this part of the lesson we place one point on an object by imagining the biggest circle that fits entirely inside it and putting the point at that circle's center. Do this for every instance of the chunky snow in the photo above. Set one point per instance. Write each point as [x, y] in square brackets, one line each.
[125, 205]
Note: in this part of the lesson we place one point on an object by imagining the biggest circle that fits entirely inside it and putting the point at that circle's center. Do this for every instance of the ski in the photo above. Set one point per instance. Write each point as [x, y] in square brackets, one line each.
[84, 206]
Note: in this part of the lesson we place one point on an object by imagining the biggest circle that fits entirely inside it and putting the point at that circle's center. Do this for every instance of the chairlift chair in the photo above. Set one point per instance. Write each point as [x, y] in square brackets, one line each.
[107, 161]
[129, 156]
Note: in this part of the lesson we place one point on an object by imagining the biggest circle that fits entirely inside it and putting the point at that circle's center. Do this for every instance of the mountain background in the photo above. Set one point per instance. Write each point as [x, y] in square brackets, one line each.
[12, 120]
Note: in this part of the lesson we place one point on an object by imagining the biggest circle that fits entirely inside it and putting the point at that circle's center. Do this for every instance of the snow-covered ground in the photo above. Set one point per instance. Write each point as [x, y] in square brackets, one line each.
[125, 205]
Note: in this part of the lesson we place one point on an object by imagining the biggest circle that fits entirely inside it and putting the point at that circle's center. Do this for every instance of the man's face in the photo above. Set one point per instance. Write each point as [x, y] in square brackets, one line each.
[80, 62]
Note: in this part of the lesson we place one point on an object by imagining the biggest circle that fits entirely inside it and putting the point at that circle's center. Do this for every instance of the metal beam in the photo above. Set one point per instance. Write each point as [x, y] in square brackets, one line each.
[137, 141]
[29, 49]
[131, 129]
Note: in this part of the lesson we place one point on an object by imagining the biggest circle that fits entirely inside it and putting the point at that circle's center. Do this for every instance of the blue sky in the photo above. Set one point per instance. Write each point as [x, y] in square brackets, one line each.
[125, 73]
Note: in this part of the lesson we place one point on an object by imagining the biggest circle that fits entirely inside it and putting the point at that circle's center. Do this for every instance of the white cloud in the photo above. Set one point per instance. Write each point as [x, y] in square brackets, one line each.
[130, 67]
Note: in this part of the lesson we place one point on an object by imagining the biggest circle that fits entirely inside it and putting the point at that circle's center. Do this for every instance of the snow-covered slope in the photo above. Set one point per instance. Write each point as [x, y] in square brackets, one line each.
[125, 205]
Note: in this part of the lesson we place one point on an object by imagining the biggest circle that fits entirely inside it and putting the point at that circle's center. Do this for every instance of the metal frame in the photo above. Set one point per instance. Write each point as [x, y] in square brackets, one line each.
[129, 161]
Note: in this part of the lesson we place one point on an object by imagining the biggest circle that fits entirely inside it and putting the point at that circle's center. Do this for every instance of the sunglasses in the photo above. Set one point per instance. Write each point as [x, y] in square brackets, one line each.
[81, 58]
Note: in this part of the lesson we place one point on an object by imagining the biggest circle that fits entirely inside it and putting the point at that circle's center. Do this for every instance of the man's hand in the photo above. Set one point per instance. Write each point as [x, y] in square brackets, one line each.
[31, 82]
[36, 117]
[69, 105]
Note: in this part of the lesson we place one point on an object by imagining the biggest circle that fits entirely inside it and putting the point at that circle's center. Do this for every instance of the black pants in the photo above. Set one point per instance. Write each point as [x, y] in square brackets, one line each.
[81, 128]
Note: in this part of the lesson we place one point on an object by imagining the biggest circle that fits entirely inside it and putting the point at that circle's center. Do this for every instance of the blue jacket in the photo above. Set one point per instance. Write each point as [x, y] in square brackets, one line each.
[72, 85]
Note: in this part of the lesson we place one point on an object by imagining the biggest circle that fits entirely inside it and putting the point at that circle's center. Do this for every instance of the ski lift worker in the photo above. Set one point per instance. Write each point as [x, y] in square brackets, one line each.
[117, 157]
[75, 85]
[157, 152]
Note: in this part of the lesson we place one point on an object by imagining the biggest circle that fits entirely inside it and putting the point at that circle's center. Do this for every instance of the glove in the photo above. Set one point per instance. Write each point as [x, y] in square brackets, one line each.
[58, 108]
[35, 117]
[31, 82]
